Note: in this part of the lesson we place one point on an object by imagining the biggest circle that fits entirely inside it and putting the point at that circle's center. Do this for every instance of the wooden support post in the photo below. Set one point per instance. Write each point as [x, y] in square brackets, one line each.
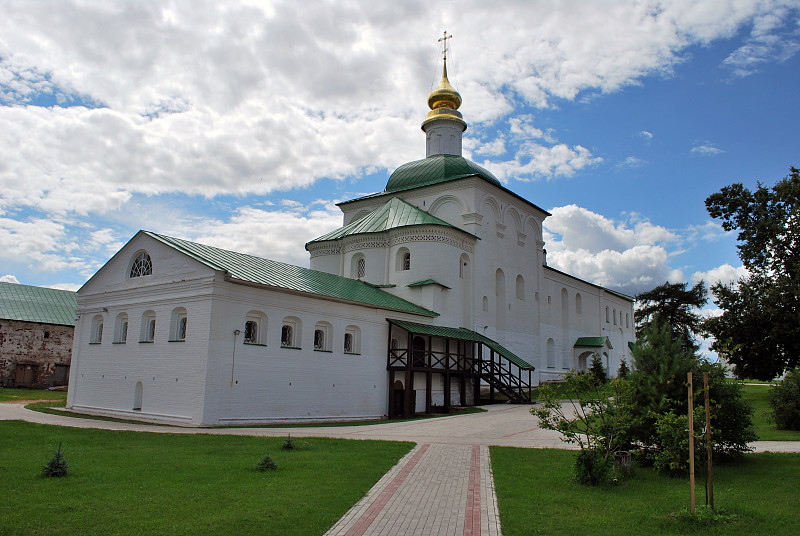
[462, 391]
[691, 445]
[390, 411]
[491, 386]
[410, 399]
[709, 450]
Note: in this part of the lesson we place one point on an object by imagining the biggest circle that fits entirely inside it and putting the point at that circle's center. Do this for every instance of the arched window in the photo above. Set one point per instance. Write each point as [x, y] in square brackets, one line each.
[121, 329]
[615, 317]
[322, 336]
[578, 304]
[607, 315]
[520, 288]
[177, 325]
[97, 330]
[551, 353]
[403, 260]
[358, 268]
[290, 332]
[485, 304]
[148, 330]
[463, 266]
[255, 328]
[142, 265]
[627, 320]
[352, 340]
[137, 396]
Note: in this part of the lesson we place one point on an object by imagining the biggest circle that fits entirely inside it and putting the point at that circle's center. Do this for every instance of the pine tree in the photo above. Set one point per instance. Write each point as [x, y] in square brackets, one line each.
[57, 466]
[597, 370]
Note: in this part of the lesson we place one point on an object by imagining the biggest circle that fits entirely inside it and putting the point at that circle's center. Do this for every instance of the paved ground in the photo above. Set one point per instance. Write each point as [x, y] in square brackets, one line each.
[444, 486]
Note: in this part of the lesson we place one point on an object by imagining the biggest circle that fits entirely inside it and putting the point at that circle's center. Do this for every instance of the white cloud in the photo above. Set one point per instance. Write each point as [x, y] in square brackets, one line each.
[8, 278]
[632, 162]
[629, 256]
[646, 135]
[724, 274]
[710, 231]
[706, 149]
[72, 287]
[769, 41]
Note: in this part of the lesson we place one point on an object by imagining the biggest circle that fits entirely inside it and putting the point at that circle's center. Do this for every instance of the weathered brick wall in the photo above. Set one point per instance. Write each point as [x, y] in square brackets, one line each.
[29, 343]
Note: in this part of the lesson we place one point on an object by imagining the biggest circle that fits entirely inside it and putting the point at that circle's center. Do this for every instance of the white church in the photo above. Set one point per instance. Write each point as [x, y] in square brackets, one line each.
[432, 289]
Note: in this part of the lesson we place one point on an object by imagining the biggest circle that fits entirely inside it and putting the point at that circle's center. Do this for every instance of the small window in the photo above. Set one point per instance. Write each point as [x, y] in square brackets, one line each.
[403, 259]
[551, 353]
[290, 332]
[322, 337]
[46, 334]
[358, 266]
[251, 332]
[485, 304]
[607, 315]
[463, 267]
[97, 330]
[148, 331]
[352, 340]
[121, 329]
[614, 314]
[178, 325]
[255, 328]
[627, 320]
[361, 271]
[287, 335]
[142, 265]
[578, 304]
[520, 288]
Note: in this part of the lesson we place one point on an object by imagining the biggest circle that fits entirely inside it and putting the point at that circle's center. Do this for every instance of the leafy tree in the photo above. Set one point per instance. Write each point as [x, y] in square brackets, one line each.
[784, 399]
[759, 330]
[673, 304]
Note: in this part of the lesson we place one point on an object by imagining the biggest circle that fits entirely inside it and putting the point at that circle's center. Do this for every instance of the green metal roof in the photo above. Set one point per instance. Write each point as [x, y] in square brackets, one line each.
[427, 282]
[37, 304]
[434, 170]
[463, 334]
[592, 342]
[390, 215]
[250, 269]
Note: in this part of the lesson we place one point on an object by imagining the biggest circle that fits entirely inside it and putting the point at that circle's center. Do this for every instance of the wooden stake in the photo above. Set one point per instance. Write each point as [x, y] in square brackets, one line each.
[709, 450]
[691, 445]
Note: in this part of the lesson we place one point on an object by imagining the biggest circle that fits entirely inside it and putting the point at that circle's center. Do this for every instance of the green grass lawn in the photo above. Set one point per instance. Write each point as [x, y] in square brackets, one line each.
[139, 483]
[20, 395]
[758, 396]
[536, 496]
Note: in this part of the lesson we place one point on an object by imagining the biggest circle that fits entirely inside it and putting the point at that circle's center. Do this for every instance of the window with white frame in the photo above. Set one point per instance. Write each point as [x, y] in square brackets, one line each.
[178, 324]
[255, 328]
[322, 336]
[352, 340]
[142, 265]
[403, 259]
[358, 267]
[290, 332]
[148, 329]
[121, 329]
[97, 330]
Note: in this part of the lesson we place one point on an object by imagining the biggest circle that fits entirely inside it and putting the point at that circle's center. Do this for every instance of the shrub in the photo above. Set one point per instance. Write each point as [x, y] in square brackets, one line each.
[596, 370]
[57, 466]
[623, 370]
[266, 464]
[593, 467]
[784, 399]
[288, 444]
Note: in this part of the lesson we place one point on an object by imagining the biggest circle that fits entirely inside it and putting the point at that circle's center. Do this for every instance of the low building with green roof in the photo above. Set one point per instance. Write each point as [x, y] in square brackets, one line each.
[36, 335]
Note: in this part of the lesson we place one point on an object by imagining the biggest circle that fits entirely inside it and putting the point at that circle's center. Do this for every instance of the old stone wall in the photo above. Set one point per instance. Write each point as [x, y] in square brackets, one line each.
[32, 353]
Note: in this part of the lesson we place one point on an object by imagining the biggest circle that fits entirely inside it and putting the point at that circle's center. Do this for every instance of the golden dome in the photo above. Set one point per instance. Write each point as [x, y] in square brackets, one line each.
[444, 101]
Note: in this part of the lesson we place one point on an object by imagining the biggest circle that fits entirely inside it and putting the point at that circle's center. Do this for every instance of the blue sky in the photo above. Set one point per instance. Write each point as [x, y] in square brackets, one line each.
[241, 125]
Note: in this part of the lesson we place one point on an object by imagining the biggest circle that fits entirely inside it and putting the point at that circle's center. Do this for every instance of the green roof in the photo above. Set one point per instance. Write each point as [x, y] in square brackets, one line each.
[250, 269]
[427, 282]
[592, 342]
[37, 304]
[390, 215]
[434, 170]
[463, 334]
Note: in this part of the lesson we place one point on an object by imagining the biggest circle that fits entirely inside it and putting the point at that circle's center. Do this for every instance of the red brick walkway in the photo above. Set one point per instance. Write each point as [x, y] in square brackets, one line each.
[434, 490]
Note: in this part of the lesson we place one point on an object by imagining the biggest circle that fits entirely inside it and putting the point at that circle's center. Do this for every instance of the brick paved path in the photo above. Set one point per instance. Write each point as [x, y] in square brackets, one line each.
[434, 490]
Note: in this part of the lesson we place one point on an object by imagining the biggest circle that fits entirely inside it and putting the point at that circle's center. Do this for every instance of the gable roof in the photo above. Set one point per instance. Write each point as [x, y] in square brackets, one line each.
[465, 335]
[243, 268]
[592, 342]
[37, 304]
[392, 214]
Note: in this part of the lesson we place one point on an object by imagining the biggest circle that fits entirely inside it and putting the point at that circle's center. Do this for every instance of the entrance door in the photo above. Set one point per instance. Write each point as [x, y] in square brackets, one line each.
[25, 374]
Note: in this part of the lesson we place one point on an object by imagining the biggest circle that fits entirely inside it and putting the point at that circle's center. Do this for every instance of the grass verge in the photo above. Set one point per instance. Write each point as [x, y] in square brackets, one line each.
[127, 483]
[21, 395]
[536, 495]
[758, 396]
